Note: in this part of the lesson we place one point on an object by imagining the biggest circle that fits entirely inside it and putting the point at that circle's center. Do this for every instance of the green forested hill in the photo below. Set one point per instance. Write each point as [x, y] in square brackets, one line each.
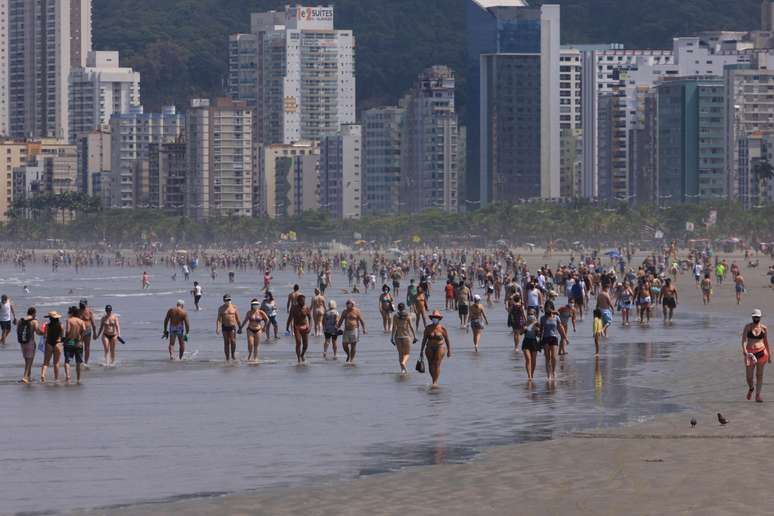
[180, 46]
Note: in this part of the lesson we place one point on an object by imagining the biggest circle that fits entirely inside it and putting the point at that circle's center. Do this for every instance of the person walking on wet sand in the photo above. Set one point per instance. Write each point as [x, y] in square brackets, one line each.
[352, 319]
[7, 317]
[477, 320]
[403, 335]
[435, 345]
[756, 352]
[668, 300]
[256, 321]
[739, 287]
[53, 345]
[110, 329]
[177, 327]
[85, 313]
[227, 324]
[301, 318]
[145, 280]
[73, 343]
[26, 331]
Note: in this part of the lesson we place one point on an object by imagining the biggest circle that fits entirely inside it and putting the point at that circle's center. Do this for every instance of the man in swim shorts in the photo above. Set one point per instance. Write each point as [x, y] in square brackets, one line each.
[176, 327]
[227, 323]
[352, 319]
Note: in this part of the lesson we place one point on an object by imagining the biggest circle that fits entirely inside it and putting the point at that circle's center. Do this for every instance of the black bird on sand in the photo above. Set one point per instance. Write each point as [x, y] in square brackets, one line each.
[721, 419]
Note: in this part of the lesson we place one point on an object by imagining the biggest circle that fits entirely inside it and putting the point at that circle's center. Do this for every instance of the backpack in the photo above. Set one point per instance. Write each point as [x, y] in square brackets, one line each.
[24, 331]
[577, 290]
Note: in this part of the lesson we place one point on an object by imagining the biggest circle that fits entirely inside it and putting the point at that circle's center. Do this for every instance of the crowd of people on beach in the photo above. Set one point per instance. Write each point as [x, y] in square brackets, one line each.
[470, 282]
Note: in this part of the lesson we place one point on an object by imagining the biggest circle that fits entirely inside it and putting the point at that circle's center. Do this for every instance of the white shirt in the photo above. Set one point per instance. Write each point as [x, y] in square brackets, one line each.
[5, 312]
[198, 290]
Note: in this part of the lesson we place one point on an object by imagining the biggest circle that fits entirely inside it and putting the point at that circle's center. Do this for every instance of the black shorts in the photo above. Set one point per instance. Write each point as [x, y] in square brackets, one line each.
[670, 302]
[73, 352]
[462, 309]
[530, 345]
[197, 299]
[550, 341]
[5, 325]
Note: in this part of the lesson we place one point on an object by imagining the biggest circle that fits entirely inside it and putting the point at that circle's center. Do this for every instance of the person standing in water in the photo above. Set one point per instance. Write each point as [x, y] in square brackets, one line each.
[756, 352]
[739, 287]
[110, 329]
[26, 331]
[403, 335]
[552, 332]
[227, 324]
[269, 307]
[87, 316]
[352, 319]
[301, 318]
[256, 321]
[145, 280]
[386, 308]
[477, 320]
[73, 343]
[53, 341]
[318, 311]
[668, 300]
[197, 294]
[7, 317]
[330, 319]
[177, 327]
[435, 345]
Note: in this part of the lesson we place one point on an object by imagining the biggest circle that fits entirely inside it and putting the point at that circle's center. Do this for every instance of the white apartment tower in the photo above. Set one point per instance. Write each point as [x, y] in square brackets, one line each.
[304, 74]
[220, 159]
[46, 39]
[99, 90]
[131, 135]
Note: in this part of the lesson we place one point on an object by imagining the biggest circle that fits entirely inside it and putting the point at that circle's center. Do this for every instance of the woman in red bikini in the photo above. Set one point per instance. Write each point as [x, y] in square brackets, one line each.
[755, 348]
[301, 317]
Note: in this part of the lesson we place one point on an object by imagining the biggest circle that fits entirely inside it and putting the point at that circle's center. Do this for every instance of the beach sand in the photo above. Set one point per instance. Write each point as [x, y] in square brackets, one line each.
[657, 467]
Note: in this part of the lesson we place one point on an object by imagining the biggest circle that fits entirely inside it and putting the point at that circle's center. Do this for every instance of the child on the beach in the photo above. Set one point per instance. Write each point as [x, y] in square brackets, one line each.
[599, 328]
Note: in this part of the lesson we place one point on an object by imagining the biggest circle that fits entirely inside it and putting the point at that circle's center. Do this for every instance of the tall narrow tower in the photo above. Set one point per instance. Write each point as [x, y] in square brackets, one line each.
[767, 15]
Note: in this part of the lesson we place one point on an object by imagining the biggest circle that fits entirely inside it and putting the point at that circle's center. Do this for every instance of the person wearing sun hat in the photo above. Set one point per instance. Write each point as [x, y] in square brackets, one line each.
[53, 338]
[435, 345]
[756, 352]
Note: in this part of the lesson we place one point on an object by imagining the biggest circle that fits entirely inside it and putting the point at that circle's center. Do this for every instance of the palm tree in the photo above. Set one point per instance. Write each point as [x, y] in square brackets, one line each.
[763, 172]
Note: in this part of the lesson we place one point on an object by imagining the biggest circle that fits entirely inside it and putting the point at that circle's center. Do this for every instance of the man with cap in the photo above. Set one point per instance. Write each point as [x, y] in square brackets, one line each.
[87, 316]
[227, 323]
[176, 327]
[110, 330]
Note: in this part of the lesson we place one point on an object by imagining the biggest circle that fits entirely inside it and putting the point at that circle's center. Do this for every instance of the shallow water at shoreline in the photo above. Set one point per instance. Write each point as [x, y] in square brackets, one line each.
[154, 430]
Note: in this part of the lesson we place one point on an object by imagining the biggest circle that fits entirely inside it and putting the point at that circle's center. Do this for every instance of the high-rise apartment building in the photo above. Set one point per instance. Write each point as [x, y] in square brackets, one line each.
[131, 134]
[304, 74]
[381, 159]
[519, 144]
[220, 159]
[341, 177]
[243, 68]
[570, 122]
[94, 162]
[749, 110]
[691, 163]
[508, 27]
[98, 90]
[4, 67]
[47, 38]
[430, 144]
[289, 179]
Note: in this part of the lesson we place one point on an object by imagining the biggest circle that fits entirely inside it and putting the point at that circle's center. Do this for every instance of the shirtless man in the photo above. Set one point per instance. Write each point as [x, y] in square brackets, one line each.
[73, 343]
[227, 323]
[110, 330]
[353, 321]
[176, 326]
[739, 286]
[145, 280]
[256, 321]
[85, 313]
[567, 315]
[318, 311]
[292, 297]
[300, 315]
[706, 289]
[463, 304]
[605, 304]
[668, 299]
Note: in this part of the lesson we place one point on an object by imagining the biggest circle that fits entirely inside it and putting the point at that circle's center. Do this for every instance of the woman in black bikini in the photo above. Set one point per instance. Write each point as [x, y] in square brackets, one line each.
[755, 349]
[436, 339]
[256, 321]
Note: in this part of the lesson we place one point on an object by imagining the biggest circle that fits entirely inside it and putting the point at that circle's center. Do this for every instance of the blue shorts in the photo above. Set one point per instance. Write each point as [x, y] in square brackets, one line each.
[607, 316]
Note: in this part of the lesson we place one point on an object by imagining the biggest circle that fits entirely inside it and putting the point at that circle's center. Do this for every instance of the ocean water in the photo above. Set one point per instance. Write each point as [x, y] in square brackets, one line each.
[151, 430]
